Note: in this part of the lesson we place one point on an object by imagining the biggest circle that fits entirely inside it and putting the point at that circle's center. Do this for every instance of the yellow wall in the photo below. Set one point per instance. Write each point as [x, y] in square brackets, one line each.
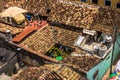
[88, 1]
[114, 3]
[102, 2]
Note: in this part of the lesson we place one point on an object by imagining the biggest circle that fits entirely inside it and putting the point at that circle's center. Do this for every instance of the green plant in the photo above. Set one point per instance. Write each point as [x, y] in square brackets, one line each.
[55, 51]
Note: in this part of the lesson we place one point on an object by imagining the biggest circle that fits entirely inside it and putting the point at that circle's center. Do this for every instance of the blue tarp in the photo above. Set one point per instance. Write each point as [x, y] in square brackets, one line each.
[28, 17]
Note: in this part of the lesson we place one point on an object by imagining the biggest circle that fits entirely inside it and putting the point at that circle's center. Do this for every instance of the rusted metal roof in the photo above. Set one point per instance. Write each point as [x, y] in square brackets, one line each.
[29, 29]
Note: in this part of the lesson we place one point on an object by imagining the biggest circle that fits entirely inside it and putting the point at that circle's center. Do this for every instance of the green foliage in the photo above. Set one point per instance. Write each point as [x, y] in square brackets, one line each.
[54, 52]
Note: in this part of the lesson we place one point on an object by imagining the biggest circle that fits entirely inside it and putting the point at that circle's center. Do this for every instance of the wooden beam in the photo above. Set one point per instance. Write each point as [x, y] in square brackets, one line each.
[36, 53]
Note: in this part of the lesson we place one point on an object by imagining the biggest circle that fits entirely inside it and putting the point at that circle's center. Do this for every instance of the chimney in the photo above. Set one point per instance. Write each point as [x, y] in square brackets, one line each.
[8, 35]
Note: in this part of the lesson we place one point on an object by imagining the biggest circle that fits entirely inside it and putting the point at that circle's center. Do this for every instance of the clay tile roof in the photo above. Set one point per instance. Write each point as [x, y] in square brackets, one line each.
[41, 41]
[83, 64]
[65, 72]
[33, 73]
[14, 30]
[49, 71]
[106, 19]
[77, 14]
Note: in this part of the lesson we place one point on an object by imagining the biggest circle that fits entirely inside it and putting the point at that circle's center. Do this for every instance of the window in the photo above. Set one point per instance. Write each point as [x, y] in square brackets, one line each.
[108, 2]
[95, 1]
[118, 5]
[83, 0]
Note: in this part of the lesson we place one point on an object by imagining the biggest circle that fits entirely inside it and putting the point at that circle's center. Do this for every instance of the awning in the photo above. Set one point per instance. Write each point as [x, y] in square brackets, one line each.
[90, 32]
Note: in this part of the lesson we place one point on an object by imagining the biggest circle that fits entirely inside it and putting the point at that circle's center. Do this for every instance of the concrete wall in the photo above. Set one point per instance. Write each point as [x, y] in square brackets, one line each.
[8, 68]
[104, 65]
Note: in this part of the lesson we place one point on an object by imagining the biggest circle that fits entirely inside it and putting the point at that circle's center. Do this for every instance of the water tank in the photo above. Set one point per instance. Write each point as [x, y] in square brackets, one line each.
[108, 41]
[102, 50]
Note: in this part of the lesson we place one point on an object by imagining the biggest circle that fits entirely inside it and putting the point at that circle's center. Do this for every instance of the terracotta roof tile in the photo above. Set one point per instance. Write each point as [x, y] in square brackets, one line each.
[78, 14]
[48, 71]
[40, 41]
[14, 30]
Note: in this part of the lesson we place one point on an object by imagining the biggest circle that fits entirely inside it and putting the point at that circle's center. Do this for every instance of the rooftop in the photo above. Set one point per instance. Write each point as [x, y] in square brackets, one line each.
[49, 71]
[44, 39]
[72, 18]
[77, 14]
[13, 30]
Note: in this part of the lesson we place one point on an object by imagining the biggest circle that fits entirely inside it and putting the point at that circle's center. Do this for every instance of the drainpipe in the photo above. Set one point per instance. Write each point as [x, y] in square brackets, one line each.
[8, 35]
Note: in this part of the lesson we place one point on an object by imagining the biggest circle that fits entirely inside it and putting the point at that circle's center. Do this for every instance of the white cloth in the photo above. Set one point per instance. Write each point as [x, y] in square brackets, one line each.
[117, 67]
